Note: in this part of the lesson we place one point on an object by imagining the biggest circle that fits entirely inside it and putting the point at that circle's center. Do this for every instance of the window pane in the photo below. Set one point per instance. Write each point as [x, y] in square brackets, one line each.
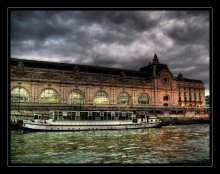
[123, 98]
[19, 94]
[101, 98]
[76, 97]
[144, 99]
[49, 96]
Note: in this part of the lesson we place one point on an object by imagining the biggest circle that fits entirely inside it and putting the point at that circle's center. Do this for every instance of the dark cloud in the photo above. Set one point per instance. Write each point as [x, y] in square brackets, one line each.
[121, 39]
[188, 27]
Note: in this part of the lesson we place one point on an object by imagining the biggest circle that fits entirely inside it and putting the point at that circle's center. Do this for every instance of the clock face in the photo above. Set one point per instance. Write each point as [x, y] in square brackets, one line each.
[165, 79]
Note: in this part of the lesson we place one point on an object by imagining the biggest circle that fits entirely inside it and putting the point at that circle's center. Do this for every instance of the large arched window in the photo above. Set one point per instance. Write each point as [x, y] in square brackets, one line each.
[49, 96]
[144, 99]
[19, 94]
[101, 98]
[76, 97]
[123, 98]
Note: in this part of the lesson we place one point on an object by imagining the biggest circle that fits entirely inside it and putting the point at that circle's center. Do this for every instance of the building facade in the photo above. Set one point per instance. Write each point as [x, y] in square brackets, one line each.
[48, 85]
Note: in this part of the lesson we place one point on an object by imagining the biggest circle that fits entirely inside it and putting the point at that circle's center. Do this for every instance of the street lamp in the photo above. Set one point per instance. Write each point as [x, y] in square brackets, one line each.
[19, 96]
[80, 101]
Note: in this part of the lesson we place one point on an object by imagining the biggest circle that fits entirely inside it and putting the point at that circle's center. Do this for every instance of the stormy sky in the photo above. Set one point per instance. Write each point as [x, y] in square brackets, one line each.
[118, 39]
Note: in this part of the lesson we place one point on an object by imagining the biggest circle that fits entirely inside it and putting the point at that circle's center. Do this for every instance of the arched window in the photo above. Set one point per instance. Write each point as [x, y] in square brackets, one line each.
[123, 98]
[144, 99]
[101, 98]
[76, 97]
[19, 94]
[49, 96]
[166, 98]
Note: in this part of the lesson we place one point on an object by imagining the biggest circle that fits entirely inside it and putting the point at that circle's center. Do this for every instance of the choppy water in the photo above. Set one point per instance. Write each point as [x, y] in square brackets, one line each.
[185, 144]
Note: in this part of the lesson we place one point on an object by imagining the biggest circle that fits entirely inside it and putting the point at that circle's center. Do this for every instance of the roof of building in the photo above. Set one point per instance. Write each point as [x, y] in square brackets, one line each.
[181, 78]
[189, 80]
[146, 71]
[70, 67]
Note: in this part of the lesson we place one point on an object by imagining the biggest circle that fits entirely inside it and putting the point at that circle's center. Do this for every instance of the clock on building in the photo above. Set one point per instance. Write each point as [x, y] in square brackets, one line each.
[165, 79]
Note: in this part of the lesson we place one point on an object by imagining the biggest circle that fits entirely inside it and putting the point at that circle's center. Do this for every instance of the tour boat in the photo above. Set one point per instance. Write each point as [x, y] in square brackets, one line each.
[91, 120]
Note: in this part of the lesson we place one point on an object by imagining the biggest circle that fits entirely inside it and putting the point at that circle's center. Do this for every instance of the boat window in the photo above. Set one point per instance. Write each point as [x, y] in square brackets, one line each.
[129, 114]
[112, 113]
[83, 116]
[76, 97]
[97, 117]
[66, 116]
[123, 98]
[144, 99]
[101, 113]
[60, 118]
[56, 113]
[90, 118]
[19, 94]
[101, 98]
[72, 115]
[77, 118]
[51, 115]
[49, 96]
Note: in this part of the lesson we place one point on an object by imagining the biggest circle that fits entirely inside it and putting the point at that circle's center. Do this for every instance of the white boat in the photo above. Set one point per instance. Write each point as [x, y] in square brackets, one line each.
[90, 120]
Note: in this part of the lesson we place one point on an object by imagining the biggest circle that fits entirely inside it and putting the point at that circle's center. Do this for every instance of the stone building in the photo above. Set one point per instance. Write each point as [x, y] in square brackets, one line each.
[47, 85]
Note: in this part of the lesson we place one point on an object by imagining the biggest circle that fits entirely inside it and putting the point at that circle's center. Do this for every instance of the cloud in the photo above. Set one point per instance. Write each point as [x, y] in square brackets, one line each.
[120, 39]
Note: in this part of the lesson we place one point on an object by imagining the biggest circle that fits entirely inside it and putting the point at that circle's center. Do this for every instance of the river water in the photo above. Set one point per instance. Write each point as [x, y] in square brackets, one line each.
[169, 145]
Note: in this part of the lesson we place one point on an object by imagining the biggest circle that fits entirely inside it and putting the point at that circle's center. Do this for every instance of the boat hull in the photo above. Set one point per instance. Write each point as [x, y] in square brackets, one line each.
[31, 126]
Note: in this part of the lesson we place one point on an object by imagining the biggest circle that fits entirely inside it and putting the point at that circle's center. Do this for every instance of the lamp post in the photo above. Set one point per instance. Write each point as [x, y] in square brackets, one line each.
[80, 101]
[19, 96]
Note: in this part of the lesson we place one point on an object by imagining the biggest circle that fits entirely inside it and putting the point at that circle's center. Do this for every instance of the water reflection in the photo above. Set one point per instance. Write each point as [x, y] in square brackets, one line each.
[171, 144]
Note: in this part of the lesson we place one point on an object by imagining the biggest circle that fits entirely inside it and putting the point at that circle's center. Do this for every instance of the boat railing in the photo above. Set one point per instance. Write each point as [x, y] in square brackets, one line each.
[112, 122]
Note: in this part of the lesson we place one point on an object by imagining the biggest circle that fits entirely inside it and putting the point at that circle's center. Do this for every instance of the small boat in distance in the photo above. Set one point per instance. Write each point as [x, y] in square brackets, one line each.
[90, 120]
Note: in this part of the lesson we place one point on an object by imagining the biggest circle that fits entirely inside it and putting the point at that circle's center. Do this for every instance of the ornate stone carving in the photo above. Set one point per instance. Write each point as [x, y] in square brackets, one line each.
[76, 73]
[101, 78]
[34, 75]
[62, 76]
[134, 83]
[20, 70]
[89, 80]
[122, 76]
[76, 70]
[143, 83]
[49, 75]
[19, 83]
[123, 79]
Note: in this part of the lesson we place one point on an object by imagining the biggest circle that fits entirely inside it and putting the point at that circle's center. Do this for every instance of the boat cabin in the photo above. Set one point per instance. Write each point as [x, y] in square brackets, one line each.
[153, 119]
[91, 115]
[40, 118]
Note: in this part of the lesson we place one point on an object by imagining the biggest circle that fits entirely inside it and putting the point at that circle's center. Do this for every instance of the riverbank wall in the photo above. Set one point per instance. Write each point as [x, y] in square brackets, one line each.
[183, 120]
